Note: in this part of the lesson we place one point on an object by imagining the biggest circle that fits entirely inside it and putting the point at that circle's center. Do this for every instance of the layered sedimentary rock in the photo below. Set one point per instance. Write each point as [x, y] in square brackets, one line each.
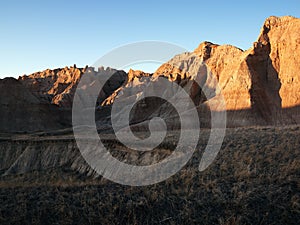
[135, 79]
[43, 101]
[53, 86]
[20, 110]
[58, 86]
[260, 86]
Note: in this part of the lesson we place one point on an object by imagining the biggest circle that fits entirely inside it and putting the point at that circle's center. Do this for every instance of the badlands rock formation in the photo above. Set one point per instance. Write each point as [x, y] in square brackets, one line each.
[20, 110]
[58, 86]
[42, 101]
[261, 85]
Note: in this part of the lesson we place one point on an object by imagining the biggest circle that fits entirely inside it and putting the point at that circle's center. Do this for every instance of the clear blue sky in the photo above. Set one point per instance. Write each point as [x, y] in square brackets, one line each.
[36, 35]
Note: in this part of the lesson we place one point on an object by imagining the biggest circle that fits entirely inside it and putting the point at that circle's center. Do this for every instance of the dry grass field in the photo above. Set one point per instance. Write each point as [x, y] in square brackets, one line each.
[255, 179]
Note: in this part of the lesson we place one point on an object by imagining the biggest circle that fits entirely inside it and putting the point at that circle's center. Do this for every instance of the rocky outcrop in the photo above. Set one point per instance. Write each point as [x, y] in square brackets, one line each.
[280, 36]
[58, 86]
[21, 111]
[261, 85]
[51, 86]
[273, 64]
[25, 153]
[135, 80]
[43, 101]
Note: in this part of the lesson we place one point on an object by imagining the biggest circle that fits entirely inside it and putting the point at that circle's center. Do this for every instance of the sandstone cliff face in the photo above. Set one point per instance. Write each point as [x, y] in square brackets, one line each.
[261, 85]
[58, 86]
[282, 37]
[274, 67]
[51, 86]
[43, 101]
[227, 64]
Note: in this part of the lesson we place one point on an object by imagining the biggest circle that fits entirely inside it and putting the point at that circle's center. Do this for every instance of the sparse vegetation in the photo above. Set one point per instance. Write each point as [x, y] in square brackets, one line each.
[254, 180]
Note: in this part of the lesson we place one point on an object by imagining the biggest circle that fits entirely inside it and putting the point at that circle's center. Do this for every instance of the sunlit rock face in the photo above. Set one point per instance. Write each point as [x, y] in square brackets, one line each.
[260, 86]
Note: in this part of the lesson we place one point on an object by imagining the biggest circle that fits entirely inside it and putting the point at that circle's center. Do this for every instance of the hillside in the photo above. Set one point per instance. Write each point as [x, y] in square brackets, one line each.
[261, 85]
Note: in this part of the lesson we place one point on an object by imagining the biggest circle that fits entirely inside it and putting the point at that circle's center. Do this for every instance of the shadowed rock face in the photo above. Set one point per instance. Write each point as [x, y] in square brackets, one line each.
[42, 101]
[282, 37]
[261, 86]
[258, 83]
[20, 110]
